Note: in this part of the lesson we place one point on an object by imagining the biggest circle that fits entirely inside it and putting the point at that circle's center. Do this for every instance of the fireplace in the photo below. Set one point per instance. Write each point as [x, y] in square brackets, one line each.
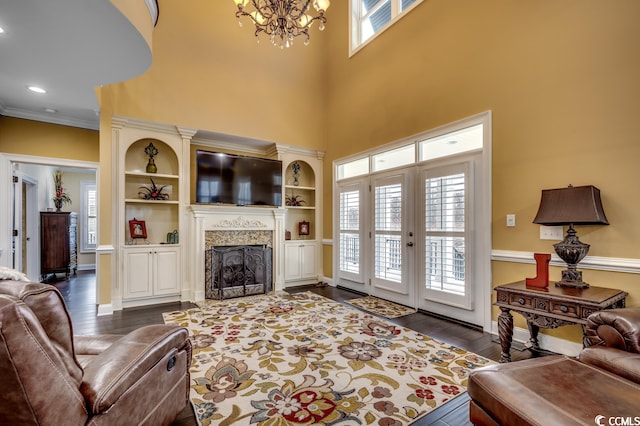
[236, 271]
[224, 227]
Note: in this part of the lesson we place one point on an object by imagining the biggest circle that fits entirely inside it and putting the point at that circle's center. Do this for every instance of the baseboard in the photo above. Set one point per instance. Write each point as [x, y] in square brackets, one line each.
[105, 309]
[328, 281]
[548, 343]
[87, 267]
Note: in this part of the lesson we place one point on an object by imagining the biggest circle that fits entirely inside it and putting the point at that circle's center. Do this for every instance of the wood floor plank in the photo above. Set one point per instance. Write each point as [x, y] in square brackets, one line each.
[79, 293]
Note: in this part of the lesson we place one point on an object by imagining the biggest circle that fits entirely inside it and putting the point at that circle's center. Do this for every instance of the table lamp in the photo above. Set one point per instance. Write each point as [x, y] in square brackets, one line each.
[579, 205]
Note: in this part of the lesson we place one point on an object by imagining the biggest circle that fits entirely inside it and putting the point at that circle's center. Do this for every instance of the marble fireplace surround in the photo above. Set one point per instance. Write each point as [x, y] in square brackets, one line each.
[233, 225]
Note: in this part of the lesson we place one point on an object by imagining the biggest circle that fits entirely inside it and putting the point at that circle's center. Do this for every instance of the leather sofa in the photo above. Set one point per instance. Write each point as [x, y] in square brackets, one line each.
[601, 385]
[51, 377]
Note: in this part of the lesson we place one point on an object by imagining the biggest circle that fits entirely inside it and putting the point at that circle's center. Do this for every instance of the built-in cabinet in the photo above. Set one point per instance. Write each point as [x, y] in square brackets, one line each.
[151, 192]
[300, 260]
[151, 272]
[303, 224]
[157, 236]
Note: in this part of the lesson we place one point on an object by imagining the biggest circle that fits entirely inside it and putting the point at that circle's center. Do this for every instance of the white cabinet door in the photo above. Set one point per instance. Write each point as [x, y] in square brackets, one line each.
[151, 271]
[292, 269]
[308, 261]
[300, 261]
[166, 271]
[138, 273]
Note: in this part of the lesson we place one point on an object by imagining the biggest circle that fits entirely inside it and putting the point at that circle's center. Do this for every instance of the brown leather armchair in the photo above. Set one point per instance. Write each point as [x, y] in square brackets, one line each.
[603, 381]
[51, 378]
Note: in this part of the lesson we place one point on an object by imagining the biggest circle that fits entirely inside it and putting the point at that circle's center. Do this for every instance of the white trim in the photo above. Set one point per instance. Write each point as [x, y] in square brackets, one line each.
[87, 267]
[355, 43]
[105, 249]
[106, 309]
[546, 341]
[328, 281]
[613, 264]
[327, 241]
[59, 118]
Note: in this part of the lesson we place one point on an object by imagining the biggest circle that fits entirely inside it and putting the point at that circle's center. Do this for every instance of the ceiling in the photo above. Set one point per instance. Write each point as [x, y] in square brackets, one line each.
[67, 47]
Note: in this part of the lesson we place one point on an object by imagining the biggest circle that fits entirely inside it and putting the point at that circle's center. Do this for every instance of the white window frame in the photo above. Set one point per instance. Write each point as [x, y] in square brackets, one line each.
[355, 37]
[85, 187]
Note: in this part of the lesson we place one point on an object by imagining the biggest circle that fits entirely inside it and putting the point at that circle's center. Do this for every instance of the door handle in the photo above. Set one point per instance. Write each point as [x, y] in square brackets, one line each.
[410, 244]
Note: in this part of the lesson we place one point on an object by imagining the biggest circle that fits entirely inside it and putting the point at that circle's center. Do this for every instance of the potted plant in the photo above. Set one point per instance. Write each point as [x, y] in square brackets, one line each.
[61, 197]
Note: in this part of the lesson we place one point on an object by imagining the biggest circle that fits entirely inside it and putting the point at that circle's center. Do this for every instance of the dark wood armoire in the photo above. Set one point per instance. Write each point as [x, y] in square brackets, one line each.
[55, 243]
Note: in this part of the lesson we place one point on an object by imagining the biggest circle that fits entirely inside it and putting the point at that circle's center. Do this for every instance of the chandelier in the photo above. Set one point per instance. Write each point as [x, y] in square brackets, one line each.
[283, 20]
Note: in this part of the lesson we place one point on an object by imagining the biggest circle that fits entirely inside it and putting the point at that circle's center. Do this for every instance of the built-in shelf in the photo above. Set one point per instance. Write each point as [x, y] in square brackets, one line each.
[143, 201]
[151, 175]
[306, 188]
[301, 208]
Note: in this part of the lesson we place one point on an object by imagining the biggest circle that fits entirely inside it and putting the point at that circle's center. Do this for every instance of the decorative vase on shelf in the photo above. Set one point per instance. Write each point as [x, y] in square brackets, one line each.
[58, 203]
[151, 166]
[151, 151]
[296, 172]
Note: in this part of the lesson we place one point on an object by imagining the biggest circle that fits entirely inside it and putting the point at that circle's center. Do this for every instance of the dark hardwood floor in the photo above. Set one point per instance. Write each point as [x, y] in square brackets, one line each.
[79, 293]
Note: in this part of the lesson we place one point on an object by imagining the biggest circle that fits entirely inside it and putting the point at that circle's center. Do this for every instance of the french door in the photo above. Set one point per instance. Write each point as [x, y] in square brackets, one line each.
[408, 236]
[392, 237]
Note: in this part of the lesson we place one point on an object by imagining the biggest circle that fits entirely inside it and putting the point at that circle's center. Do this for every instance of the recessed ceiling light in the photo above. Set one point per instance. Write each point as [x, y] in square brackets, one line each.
[36, 89]
[51, 110]
[1, 30]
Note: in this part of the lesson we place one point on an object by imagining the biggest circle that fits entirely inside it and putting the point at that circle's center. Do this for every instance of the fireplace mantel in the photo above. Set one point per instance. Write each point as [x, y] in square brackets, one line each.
[232, 218]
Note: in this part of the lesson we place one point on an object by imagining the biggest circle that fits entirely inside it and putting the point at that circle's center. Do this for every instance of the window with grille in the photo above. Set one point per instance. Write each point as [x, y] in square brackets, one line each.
[445, 233]
[350, 200]
[370, 17]
[88, 217]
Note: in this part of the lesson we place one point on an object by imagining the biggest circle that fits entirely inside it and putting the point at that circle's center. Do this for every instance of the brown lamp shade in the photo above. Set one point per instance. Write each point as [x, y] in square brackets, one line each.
[577, 205]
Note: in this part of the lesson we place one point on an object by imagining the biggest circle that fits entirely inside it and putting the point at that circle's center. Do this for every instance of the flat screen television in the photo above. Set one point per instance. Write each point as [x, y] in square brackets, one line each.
[236, 179]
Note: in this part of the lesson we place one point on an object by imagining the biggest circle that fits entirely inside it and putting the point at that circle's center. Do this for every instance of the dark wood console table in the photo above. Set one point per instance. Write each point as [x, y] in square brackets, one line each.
[549, 307]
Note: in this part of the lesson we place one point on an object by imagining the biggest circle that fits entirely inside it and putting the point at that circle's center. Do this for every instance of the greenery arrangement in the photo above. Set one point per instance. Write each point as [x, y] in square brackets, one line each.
[293, 200]
[61, 197]
[153, 192]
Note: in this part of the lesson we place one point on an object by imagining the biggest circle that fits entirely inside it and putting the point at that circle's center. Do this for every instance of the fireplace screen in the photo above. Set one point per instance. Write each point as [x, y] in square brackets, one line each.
[237, 271]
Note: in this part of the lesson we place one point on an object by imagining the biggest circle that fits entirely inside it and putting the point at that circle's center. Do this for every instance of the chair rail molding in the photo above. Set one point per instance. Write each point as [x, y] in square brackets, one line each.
[613, 264]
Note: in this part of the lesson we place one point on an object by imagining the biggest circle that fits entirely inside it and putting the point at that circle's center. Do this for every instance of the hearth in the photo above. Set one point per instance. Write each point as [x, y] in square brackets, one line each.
[236, 271]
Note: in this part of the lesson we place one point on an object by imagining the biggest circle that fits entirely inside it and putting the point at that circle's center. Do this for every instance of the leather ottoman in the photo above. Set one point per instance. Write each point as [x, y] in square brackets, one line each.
[555, 390]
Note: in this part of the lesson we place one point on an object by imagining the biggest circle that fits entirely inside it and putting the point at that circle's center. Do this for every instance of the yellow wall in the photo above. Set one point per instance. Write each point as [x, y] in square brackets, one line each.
[36, 138]
[561, 80]
[208, 73]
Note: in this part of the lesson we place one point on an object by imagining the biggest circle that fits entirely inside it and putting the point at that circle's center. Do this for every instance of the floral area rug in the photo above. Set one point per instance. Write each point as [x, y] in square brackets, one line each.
[303, 359]
[381, 307]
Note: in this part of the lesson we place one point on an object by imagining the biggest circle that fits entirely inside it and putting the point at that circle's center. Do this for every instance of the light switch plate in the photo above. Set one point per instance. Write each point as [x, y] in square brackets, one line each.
[551, 232]
[511, 220]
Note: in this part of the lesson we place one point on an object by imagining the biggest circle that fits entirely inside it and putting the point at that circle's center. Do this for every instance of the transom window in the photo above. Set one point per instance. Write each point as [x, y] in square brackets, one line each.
[371, 17]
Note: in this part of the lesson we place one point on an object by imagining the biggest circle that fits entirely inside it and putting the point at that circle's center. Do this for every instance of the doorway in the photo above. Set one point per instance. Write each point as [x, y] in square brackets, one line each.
[26, 255]
[414, 225]
[29, 193]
